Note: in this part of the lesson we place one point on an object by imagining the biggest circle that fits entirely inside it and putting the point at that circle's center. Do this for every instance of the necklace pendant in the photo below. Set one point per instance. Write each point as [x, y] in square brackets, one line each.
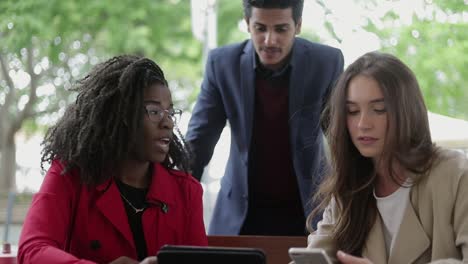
[139, 210]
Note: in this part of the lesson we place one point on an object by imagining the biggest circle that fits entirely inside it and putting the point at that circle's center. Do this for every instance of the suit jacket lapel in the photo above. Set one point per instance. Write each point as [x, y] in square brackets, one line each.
[298, 79]
[411, 240]
[374, 248]
[247, 90]
[300, 76]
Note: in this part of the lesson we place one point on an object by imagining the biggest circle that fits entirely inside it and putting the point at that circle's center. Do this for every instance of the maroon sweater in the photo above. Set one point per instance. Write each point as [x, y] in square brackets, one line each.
[273, 190]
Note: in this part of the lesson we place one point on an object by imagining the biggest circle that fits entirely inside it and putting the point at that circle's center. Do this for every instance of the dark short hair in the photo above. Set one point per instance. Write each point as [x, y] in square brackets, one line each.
[296, 5]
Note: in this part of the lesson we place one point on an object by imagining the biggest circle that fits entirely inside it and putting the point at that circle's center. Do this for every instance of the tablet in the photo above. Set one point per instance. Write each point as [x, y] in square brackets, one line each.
[309, 256]
[170, 254]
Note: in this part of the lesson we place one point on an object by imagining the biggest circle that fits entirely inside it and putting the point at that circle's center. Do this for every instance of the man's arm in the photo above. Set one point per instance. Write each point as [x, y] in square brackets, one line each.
[339, 64]
[207, 121]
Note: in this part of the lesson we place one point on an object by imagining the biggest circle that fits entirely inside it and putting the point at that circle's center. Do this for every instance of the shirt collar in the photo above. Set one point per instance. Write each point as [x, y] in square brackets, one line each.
[267, 73]
[162, 189]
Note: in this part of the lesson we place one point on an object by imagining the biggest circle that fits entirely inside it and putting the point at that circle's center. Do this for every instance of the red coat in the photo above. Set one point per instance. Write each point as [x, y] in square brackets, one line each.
[101, 232]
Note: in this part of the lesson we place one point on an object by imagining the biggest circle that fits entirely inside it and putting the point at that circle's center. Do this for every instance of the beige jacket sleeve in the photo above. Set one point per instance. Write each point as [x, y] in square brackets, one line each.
[322, 237]
[460, 214]
[459, 188]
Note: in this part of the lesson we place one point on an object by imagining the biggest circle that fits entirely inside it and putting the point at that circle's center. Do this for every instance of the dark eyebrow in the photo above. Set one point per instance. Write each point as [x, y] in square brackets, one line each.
[276, 26]
[379, 100]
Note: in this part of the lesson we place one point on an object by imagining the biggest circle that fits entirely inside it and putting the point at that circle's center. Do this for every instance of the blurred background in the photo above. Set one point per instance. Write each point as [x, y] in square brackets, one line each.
[46, 45]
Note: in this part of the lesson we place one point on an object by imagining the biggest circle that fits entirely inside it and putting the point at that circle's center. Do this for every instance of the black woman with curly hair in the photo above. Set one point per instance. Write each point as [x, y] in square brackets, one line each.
[119, 186]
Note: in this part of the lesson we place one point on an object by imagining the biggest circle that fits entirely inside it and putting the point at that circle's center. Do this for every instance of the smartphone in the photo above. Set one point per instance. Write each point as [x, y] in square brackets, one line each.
[309, 256]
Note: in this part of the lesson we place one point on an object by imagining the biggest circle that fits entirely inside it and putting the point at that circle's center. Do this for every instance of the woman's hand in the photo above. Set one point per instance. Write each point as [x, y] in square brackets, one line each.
[127, 260]
[124, 260]
[349, 259]
[150, 260]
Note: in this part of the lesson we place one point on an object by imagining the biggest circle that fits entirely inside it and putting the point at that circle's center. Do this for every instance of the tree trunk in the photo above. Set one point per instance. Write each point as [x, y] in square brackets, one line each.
[8, 165]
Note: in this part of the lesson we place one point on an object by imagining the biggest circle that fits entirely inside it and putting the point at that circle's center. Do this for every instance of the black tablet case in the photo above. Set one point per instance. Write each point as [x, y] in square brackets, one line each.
[170, 254]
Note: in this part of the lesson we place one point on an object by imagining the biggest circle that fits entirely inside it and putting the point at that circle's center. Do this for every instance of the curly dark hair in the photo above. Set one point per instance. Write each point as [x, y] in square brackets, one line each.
[100, 129]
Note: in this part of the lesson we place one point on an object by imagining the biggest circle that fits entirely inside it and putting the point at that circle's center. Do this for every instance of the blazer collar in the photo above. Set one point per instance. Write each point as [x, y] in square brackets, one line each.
[250, 50]
[111, 206]
[162, 186]
[411, 240]
[160, 193]
[160, 189]
[374, 249]
[247, 95]
[301, 74]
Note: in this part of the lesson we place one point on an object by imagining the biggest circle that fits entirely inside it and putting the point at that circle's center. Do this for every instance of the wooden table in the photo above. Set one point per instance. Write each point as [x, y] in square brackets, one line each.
[275, 247]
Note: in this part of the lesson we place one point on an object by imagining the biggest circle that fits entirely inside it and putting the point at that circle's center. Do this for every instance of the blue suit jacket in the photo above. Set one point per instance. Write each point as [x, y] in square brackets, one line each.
[227, 93]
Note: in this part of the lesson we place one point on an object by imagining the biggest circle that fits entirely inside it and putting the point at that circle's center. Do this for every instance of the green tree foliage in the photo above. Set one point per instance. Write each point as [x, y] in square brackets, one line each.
[434, 45]
[230, 15]
[46, 45]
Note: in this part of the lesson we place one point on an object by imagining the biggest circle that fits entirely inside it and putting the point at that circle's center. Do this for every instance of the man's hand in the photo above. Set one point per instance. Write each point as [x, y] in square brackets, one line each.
[349, 259]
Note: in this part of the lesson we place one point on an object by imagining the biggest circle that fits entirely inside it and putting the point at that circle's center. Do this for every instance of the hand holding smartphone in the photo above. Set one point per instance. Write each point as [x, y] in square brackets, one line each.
[309, 256]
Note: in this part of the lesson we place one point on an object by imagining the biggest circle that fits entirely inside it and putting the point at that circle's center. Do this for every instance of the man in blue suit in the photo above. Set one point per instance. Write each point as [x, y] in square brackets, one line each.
[271, 89]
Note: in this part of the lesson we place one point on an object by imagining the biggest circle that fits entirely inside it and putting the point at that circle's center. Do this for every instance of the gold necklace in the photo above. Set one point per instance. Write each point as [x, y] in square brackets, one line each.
[137, 210]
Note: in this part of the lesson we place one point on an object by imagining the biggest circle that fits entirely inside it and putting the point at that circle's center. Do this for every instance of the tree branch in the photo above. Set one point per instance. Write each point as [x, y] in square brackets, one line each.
[9, 98]
[27, 110]
[328, 25]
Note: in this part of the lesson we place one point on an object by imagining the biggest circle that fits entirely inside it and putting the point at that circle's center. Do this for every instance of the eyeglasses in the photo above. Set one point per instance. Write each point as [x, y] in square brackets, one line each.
[157, 114]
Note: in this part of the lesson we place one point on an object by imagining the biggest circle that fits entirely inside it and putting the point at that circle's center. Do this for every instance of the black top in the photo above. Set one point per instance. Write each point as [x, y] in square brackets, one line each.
[137, 197]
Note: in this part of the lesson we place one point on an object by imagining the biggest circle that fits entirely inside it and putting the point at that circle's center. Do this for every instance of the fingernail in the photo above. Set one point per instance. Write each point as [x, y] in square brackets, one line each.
[341, 253]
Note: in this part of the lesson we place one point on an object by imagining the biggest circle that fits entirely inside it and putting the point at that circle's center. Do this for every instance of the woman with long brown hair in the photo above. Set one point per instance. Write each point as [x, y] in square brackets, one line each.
[391, 196]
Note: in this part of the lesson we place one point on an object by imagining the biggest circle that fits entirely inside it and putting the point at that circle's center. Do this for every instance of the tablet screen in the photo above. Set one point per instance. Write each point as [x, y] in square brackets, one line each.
[209, 255]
